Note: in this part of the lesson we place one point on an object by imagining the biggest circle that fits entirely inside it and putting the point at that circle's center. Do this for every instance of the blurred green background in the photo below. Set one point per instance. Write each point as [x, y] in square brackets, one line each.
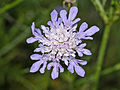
[16, 17]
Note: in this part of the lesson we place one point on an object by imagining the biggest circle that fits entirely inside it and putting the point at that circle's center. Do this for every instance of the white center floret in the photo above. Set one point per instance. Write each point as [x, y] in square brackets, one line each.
[60, 42]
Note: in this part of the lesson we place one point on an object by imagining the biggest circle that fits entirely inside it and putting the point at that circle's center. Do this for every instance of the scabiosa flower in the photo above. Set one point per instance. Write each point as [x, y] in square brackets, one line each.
[60, 42]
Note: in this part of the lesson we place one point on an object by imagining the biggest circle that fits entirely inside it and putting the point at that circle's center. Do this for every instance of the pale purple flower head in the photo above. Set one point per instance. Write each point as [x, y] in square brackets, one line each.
[60, 42]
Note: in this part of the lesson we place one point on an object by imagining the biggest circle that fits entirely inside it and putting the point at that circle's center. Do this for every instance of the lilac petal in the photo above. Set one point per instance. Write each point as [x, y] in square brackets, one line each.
[87, 52]
[35, 31]
[71, 68]
[92, 31]
[35, 57]
[80, 35]
[45, 29]
[40, 45]
[82, 45]
[72, 13]
[31, 40]
[50, 24]
[80, 71]
[76, 20]
[82, 62]
[61, 68]
[90, 38]
[59, 20]
[54, 73]
[66, 62]
[37, 50]
[54, 15]
[83, 27]
[35, 66]
[80, 54]
[74, 27]
[49, 65]
[63, 14]
[33, 27]
[78, 42]
[42, 70]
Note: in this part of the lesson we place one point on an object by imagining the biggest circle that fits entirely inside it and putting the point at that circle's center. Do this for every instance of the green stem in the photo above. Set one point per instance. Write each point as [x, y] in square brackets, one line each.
[9, 6]
[15, 42]
[104, 72]
[111, 69]
[101, 10]
[101, 55]
[104, 2]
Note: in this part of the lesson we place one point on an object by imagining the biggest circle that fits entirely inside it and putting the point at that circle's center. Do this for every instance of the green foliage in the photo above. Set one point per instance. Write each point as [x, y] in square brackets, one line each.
[16, 17]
